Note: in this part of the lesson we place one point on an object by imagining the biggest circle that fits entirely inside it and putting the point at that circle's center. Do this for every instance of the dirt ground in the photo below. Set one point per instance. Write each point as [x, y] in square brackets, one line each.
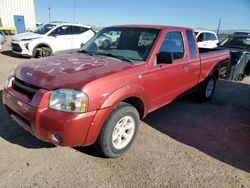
[185, 144]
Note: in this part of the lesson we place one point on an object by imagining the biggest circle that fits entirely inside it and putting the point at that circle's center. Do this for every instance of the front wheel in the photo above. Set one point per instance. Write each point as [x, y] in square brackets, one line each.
[206, 90]
[43, 52]
[119, 131]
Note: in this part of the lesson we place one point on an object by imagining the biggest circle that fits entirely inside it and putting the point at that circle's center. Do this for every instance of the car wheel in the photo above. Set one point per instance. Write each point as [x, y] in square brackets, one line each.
[206, 90]
[43, 52]
[239, 77]
[92, 48]
[118, 131]
[106, 44]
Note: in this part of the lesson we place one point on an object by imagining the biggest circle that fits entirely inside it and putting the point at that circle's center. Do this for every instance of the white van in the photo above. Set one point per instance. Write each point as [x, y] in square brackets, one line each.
[206, 39]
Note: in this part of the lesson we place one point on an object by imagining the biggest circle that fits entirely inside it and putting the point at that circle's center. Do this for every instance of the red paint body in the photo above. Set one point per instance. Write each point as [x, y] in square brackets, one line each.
[107, 82]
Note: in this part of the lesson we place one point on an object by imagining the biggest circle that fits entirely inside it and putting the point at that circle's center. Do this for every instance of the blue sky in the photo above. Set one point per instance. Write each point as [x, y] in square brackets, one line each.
[234, 14]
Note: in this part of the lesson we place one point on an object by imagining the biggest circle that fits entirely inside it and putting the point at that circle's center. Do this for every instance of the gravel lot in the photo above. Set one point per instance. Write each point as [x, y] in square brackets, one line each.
[185, 144]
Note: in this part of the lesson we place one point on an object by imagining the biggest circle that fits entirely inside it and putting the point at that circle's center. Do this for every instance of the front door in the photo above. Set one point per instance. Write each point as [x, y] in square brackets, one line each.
[61, 39]
[170, 80]
[20, 24]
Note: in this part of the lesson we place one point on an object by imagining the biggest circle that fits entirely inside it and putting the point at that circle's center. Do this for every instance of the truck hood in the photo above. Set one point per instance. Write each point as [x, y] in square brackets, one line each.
[27, 35]
[67, 71]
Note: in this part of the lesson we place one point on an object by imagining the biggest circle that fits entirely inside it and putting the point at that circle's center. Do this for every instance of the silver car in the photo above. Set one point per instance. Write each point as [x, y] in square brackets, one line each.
[2, 39]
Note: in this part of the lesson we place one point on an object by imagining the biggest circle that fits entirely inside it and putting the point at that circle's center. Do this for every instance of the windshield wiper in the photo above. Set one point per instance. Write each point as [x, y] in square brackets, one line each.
[117, 57]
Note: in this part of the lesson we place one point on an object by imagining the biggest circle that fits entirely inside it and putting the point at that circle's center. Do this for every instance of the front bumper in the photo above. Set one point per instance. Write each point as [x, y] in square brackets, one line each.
[44, 122]
[21, 48]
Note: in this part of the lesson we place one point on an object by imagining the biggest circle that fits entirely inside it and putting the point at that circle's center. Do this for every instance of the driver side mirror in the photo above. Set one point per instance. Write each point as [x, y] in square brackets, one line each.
[165, 57]
[53, 35]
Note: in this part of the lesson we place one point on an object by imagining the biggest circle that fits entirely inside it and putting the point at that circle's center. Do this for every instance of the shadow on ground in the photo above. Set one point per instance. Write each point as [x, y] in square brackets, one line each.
[12, 54]
[219, 128]
[11, 132]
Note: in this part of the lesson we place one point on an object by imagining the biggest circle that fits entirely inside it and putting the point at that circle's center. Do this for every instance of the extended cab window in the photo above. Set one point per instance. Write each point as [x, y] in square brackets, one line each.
[78, 30]
[173, 43]
[191, 43]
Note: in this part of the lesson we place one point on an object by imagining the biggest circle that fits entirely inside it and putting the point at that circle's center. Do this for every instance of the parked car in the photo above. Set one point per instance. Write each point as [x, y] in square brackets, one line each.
[241, 33]
[52, 38]
[239, 45]
[100, 94]
[206, 39]
[2, 39]
[108, 39]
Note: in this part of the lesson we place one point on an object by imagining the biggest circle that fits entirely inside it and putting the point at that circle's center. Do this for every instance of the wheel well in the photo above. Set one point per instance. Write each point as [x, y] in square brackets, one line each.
[137, 103]
[216, 73]
[247, 69]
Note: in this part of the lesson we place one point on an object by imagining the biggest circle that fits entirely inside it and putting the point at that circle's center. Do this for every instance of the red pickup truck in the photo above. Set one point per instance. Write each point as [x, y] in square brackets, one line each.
[100, 94]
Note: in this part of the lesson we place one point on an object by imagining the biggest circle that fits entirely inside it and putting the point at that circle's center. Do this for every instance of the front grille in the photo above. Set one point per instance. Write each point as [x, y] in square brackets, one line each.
[24, 88]
[16, 47]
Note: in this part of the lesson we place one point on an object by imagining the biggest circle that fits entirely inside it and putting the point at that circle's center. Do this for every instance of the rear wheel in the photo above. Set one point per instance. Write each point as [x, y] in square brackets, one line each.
[206, 90]
[119, 131]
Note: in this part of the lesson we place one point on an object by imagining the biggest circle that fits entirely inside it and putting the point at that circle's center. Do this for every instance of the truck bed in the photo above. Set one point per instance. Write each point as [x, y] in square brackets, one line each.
[215, 55]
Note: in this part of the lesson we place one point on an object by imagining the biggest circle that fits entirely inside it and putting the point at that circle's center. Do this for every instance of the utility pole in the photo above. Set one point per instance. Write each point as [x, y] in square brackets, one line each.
[218, 29]
[49, 15]
[74, 14]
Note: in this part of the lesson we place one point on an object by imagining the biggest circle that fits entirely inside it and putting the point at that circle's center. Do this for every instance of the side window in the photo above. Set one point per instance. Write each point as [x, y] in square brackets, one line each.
[173, 43]
[62, 30]
[207, 36]
[213, 37]
[210, 36]
[200, 37]
[191, 43]
[78, 30]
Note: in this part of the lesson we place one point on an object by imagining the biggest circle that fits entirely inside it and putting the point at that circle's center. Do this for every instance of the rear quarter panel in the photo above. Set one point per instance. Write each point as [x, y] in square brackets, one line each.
[211, 61]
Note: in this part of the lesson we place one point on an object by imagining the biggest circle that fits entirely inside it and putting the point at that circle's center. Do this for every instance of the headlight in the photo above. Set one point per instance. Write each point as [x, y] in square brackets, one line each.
[68, 100]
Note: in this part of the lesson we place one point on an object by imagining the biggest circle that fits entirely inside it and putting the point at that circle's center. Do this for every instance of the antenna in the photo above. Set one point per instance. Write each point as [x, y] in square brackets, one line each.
[49, 14]
[218, 29]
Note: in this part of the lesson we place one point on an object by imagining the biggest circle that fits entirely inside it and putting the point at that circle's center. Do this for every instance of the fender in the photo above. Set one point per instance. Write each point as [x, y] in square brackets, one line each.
[125, 92]
[216, 68]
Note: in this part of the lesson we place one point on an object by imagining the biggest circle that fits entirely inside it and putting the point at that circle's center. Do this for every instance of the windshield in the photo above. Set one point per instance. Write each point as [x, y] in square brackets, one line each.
[131, 44]
[236, 42]
[44, 28]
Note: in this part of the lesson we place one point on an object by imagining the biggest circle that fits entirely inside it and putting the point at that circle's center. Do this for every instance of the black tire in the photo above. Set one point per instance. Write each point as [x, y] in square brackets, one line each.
[206, 90]
[239, 77]
[42, 52]
[105, 143]
[106, 44]
[92, 48]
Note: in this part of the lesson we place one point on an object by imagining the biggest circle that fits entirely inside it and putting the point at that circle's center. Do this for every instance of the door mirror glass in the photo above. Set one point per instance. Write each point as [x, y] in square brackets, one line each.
[165, 57]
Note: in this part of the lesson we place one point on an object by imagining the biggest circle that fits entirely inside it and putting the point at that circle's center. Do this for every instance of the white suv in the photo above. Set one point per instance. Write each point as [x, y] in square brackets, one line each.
[52, 38]
[206, 39]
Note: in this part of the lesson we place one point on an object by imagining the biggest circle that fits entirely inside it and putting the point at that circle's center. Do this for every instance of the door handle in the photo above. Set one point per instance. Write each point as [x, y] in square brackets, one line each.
[186, 67]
